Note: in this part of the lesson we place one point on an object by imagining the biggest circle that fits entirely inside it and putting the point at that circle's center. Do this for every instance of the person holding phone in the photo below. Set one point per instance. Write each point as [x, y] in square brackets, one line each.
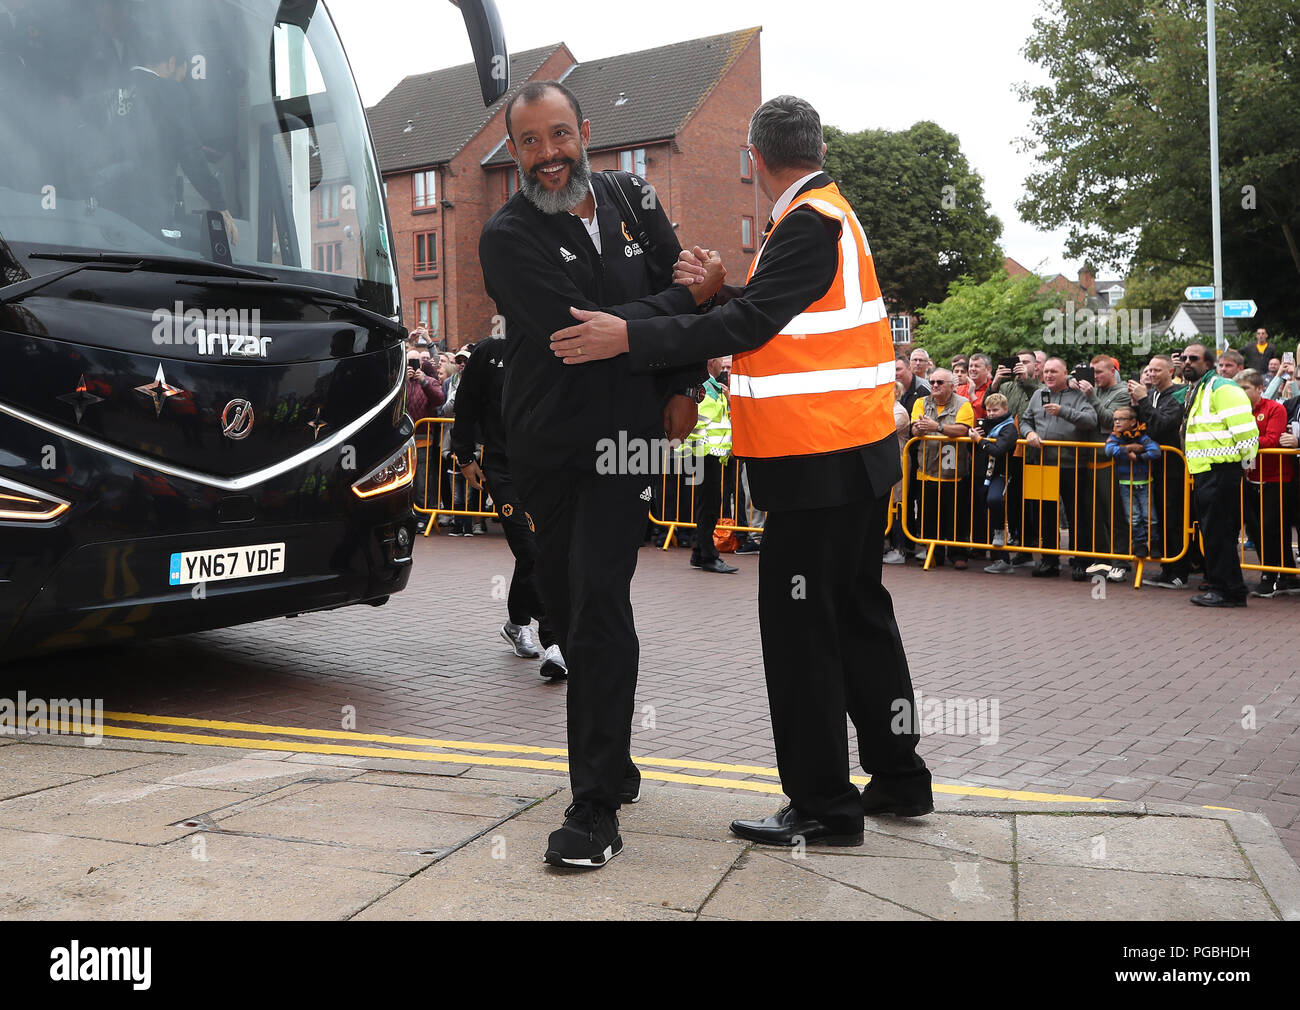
[423, 398]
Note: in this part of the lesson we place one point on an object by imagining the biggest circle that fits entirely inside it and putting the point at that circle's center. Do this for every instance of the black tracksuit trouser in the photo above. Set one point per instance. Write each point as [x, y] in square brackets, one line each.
[589, 527]
[524, 601]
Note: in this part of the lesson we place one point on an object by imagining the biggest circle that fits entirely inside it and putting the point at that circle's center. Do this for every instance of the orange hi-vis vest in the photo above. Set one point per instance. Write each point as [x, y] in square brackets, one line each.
[825, 383]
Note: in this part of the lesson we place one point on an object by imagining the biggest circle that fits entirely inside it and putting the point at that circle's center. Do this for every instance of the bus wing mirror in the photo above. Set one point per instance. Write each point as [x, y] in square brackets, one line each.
[488, 42]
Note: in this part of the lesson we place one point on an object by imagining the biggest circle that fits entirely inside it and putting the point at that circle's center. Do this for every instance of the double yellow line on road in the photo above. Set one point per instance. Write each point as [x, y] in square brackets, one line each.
[472, 752]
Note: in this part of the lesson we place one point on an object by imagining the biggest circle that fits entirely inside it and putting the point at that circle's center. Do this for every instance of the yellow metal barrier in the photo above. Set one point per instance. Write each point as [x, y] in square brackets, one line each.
[428, 448]
[1085, 484]
[672, 463]
[1269, 510]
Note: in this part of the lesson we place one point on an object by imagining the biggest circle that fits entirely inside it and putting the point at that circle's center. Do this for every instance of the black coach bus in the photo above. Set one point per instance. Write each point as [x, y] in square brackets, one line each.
[202, 414]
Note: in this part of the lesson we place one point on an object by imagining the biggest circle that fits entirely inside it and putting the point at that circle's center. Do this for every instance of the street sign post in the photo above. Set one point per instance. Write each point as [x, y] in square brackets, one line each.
[1205, 294]
[1244, 309]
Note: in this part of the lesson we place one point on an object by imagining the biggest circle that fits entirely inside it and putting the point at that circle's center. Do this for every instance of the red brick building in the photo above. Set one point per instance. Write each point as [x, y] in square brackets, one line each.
[677, 115]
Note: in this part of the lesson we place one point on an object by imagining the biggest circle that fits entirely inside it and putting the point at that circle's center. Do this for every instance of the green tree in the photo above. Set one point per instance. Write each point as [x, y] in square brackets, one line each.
[922, 207]
[998, 316]
[1122, 134]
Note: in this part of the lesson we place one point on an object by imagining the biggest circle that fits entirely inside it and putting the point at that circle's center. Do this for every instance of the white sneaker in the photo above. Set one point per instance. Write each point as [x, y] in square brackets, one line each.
[920, 554]
[894, 557]
[521, 640]
[1116, 574]
[999, 539]
[553, 665]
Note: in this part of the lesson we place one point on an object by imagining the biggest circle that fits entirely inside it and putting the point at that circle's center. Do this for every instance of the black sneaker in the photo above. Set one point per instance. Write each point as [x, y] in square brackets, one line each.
[630, 790]
[748, 547]
[1044, 570]
[1266, 588]
[588, 839]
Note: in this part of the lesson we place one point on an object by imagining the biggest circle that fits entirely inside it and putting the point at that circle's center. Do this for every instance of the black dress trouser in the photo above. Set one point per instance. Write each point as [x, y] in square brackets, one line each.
[708, 499]
[589, 527]
[1218, 507]
[831, 645]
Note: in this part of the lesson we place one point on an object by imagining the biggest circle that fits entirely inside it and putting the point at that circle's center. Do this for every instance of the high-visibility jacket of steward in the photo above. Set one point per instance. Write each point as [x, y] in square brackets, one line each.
[1221, 426]
[712, 433]
[825, 383]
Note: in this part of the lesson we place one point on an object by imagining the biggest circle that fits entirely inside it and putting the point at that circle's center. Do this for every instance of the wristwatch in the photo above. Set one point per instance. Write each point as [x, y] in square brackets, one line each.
[695, 393]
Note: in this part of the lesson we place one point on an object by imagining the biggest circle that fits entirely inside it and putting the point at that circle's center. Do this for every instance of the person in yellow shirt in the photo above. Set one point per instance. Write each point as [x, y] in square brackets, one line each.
[944, 470]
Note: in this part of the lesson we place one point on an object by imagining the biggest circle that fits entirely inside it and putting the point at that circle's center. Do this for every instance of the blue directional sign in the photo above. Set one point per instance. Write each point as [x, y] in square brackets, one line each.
[1199, 294]
[1239, 310]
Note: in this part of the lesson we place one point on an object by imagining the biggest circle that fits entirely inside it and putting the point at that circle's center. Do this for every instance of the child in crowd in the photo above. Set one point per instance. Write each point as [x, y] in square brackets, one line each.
[1133, 449]
[995, 440]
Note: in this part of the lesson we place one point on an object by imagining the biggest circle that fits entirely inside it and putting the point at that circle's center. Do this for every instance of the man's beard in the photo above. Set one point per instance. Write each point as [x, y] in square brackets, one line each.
[562, 200]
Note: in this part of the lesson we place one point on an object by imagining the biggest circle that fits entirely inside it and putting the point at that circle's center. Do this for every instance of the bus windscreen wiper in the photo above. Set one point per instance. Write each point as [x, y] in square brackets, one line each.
[351, 303]
[119, 263]
[170, 264]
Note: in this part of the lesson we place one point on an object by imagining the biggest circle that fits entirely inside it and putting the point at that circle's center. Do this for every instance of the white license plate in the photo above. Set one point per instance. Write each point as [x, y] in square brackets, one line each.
[190, 567]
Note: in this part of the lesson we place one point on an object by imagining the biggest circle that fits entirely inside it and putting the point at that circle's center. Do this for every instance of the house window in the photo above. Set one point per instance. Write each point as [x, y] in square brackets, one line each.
[747, 234]
[426, 311]
[633, 161]
[746, 166]
[1115, 295]
[426, 190]
[329, 257]
[329, 203]
[510, 182]
[900, 328]
[426, 253]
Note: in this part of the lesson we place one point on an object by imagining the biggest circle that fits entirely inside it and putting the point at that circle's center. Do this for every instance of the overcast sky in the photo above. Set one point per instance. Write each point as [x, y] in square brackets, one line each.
[864, 64]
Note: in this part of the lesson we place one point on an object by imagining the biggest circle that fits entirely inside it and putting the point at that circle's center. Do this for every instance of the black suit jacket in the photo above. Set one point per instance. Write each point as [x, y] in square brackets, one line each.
[535, 266]
[798, 267]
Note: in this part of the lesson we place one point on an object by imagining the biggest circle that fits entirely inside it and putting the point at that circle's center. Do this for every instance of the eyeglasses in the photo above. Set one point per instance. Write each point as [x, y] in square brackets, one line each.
[938, 382]
[1191, 357]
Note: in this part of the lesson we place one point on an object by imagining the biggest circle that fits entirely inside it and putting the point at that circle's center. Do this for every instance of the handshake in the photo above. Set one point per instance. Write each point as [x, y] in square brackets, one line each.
[702, 271]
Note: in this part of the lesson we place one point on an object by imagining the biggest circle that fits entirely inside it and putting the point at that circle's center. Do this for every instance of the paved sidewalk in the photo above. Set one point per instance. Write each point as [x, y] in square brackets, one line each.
[130, 830]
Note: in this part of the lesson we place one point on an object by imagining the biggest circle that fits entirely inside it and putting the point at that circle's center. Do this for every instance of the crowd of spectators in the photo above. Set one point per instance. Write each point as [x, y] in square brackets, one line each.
[992, 482]
[989, 482]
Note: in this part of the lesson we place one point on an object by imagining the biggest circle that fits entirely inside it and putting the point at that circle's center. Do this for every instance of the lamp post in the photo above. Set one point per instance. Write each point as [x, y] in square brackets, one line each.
[1220, 343]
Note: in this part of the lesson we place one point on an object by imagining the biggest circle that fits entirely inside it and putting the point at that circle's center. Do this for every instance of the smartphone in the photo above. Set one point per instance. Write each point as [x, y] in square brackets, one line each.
[413, 363]
[1009, 363]
[1288, 358]
[1085, 373]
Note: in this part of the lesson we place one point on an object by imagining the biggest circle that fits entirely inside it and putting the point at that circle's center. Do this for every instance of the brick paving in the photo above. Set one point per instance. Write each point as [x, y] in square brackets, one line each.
[1131, 696]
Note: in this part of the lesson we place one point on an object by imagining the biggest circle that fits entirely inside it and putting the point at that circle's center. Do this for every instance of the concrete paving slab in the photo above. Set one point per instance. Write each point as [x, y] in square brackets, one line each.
[953, 887]
[32, 862]
[662, 872]
[113, 808]
[377, 817]
[525, 788]
[423, 901]
[1074, 893]
[763, 887]
[17, 783]
[236, 878]
[987, 835]
[384, 764]
[1201, 847]
[234, 771]
[72, 759]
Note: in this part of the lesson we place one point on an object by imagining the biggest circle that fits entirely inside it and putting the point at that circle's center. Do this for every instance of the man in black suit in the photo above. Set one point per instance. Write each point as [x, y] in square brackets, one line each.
[562, 241]
[830, 641]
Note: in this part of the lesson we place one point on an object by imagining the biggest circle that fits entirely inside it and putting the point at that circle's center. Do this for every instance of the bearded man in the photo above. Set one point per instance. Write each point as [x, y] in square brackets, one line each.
[584, 443]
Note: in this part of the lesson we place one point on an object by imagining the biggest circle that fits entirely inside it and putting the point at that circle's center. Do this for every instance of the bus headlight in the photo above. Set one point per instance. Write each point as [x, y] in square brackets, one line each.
[391, 475]
[22, 503]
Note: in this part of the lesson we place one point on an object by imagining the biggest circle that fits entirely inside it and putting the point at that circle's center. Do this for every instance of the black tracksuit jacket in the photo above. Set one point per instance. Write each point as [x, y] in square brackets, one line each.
[535, 267]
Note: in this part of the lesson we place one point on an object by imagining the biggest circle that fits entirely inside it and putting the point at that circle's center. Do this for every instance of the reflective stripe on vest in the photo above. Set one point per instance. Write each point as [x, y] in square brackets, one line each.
[825, 382]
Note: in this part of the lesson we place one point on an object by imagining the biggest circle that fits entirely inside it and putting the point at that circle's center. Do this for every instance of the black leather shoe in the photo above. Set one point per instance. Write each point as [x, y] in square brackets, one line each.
[1043, 570]
[716, 565]
[787, 826]
[877, 800]
[1213, 599]
[1078, 574]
